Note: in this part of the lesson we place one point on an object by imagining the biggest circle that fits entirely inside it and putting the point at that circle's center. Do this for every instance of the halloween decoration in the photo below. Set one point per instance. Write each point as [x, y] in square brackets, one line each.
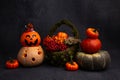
[57, 45]
[30, 37]
[97, 61]
[91, 44]
[12, 64]
[31, 56]
[71, 66]
[91, 57]
[54, 45]
[62, 35]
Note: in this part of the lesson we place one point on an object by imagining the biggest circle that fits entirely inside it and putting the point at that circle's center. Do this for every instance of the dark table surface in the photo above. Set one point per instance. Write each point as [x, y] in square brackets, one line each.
[101, 14]
[48, 72]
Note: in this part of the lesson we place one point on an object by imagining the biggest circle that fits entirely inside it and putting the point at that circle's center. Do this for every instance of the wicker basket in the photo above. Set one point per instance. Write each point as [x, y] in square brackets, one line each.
[61, 57]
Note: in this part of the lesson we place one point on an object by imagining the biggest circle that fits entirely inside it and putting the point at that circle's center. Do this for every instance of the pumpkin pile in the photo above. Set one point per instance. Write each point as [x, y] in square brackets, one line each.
[31, 53]
[92, 57]
[60, 46]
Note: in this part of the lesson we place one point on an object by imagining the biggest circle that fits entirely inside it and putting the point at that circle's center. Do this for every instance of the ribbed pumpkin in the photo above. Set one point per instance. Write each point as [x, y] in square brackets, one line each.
[31, 56]
[96, 61]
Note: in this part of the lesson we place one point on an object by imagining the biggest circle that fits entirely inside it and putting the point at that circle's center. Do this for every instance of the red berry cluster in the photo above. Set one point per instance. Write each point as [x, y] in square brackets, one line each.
[52, 45]
[62, 47]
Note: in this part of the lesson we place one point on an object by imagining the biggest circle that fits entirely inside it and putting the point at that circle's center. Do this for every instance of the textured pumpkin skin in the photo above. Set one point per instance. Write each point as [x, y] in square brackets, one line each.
[30, 56]
[96, 61]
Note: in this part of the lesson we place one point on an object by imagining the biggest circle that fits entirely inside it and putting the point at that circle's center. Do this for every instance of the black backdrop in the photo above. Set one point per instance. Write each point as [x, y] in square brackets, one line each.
[101, 14]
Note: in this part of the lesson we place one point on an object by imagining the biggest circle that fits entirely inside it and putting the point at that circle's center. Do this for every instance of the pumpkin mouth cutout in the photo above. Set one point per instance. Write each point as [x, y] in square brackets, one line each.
[31, 43]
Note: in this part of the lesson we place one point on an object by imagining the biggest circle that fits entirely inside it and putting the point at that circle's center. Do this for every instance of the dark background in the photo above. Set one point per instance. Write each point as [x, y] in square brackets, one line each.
[101, 14]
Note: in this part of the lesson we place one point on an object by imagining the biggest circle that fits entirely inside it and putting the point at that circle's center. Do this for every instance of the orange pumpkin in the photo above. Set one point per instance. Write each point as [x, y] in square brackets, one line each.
[62, 35]
[92, 33]
[72, 65]
[12, 64]
[30, 37]
[58, 39]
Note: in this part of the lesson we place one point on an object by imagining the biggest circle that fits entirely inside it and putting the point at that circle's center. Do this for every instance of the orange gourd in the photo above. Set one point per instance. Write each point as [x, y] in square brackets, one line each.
[62, 35]
[12, 64]
[72, 65]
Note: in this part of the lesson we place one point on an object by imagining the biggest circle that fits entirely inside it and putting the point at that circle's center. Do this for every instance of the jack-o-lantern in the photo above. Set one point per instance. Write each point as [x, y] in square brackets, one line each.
[31, 56]
[30, 37]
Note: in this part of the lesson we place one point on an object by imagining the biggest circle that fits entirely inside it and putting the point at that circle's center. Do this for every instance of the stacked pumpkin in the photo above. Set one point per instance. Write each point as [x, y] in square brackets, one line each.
[92, 57]
[31, 54]
[60, 46]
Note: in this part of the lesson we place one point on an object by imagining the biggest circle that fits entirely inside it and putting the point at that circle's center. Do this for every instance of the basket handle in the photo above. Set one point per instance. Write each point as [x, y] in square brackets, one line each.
[75, 32]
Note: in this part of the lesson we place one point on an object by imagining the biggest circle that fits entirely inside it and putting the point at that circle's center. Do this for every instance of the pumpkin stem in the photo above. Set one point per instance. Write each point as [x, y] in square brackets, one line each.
[71, 61]
[11, 60]
[94, 30]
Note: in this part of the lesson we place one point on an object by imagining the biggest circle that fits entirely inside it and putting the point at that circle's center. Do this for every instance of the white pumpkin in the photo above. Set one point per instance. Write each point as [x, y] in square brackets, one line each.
[31, 56]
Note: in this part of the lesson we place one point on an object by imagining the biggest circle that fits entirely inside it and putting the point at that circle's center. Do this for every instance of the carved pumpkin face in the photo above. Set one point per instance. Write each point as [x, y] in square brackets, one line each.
[30, 37]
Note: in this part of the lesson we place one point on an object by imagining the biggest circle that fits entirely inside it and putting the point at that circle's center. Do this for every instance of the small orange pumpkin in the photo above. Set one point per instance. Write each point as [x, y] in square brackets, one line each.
[58, 39]
[62, 35]
[72, 65]
[30, 37]
[92, 33]
[12, 64]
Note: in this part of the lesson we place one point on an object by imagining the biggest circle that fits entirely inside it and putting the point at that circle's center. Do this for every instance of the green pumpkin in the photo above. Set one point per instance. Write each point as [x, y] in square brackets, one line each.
[96, 61]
